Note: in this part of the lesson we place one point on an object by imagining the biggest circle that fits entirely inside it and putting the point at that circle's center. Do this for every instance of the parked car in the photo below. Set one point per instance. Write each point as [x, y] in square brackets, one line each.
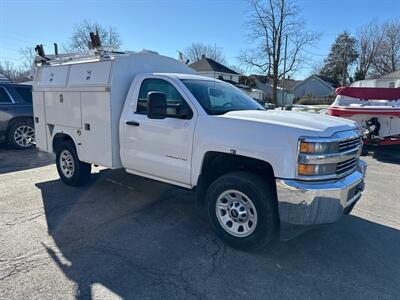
[16, 115]
[151, 115]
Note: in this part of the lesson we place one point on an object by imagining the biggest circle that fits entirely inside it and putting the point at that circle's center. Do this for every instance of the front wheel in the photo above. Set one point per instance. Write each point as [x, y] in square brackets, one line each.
[72, 171]
[242, 210]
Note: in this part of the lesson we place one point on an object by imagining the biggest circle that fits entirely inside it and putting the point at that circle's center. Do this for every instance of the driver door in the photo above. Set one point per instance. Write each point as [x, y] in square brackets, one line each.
[159, 148]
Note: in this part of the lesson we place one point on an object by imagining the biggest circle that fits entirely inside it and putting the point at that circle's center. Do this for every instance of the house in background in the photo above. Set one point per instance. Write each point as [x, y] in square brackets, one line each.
[315, 86]
[263, 83]
[389, 80]
[259, 82]
[210, 68]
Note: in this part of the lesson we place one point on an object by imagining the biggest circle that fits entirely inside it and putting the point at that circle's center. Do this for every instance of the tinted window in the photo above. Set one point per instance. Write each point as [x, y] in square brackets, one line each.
[4, 98]
[25, 93]
[218, 97]
[173, 97]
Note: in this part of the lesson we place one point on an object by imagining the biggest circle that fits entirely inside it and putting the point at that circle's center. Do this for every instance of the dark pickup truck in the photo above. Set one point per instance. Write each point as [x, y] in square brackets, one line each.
[16, 115]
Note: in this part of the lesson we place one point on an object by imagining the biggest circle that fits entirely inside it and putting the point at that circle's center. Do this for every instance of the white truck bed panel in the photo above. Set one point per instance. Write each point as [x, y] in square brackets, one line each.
[40, 121]
[93, 96]
[51, 76]
[96, 144]
[90, 74]
[63, 108]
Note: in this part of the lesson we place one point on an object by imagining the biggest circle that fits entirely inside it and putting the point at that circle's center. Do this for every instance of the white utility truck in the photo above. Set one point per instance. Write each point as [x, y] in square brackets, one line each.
[151, 115]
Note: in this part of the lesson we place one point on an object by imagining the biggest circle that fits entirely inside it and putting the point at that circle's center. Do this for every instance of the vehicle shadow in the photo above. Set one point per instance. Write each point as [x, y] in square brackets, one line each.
[143, 239]
[12, 160]
[388, 154]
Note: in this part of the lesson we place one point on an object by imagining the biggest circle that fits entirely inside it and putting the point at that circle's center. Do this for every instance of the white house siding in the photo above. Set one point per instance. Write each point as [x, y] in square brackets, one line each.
[286, 96]
[382, 83]
[312, 86]
[255, 94]
[265, 87]
[216, 75]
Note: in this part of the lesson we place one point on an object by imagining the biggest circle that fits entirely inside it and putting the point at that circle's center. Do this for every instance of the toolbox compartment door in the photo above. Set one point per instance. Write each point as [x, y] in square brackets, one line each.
[54, 76]
[39, 120]
[90, 74]
[96, 146]
[63, 108]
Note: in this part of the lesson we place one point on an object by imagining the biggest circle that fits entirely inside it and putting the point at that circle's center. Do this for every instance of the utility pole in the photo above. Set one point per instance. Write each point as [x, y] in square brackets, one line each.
[344, 64]
[284, 73]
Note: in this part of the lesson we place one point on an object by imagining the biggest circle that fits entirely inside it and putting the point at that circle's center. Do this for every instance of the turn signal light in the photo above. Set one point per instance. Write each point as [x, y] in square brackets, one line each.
[306, 147]
[306, 169]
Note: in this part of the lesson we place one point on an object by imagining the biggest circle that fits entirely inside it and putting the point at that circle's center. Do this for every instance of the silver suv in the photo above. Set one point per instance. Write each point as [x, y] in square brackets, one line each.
[16, 115]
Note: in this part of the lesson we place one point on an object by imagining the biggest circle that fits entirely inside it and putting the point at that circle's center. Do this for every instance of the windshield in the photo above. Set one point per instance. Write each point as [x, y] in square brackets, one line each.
[218, 97]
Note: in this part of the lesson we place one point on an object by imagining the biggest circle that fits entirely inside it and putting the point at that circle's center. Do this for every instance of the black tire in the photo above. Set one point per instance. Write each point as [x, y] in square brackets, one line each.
[263, 198]
[80, 172]
[19, 134]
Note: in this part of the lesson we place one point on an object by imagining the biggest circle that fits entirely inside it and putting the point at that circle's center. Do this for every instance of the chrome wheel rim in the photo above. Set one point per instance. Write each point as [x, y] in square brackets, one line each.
[67, 164]
[236, 213]
[24, 136]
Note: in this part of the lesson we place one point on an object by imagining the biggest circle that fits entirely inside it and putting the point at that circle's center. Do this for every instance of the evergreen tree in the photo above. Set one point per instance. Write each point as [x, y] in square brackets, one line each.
[342, 56]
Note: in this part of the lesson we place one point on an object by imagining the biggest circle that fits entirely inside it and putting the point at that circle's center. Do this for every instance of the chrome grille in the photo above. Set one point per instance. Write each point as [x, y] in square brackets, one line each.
[349, 144]
[346, 166]
[339, 159]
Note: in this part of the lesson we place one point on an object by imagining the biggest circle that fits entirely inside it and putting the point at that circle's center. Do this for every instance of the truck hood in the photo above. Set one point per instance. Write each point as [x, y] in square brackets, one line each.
[320, 125]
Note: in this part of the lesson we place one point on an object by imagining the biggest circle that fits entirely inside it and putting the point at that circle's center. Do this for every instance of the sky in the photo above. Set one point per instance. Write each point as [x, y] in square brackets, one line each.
[171, 25]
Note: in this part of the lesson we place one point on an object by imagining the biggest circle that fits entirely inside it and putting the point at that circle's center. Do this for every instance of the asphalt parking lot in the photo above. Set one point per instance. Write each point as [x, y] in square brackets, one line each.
[125, 237]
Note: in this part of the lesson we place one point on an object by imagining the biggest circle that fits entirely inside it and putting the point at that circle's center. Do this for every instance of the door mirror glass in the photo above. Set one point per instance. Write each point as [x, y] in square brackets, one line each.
[156, 105]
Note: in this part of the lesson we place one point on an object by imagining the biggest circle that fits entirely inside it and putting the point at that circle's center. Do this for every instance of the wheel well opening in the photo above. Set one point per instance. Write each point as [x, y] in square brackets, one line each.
[17, 119]
[60, 138]
[216, 164]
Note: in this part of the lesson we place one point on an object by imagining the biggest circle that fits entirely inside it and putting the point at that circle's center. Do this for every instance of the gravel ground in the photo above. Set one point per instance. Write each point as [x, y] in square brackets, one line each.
[132, 238]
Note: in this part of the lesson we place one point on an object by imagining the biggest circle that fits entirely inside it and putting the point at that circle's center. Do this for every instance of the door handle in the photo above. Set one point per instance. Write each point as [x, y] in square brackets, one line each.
[132, 123]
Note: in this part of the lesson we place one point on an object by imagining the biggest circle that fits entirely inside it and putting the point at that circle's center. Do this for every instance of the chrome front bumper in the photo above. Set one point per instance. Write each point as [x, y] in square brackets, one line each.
[308, 203]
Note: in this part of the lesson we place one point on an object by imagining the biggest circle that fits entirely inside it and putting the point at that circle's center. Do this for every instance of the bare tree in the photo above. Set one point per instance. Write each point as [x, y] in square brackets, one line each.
[14, 73]
[27, 57]
[271, 22]
[370, 39]
[195, 51]
[80, 39]
[387, 58]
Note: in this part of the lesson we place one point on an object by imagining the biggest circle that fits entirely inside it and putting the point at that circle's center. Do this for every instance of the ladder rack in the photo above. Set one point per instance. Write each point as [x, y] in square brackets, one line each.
[90, 55]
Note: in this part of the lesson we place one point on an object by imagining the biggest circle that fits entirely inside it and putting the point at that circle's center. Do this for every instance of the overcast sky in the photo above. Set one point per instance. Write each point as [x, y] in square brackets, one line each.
[167, 26]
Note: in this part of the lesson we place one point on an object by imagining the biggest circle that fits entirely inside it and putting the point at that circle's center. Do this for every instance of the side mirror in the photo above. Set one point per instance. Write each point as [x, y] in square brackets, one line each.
[156, 105]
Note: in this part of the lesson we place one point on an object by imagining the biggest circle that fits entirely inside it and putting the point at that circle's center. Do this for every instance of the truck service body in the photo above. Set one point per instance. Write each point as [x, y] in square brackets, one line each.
[152, 116]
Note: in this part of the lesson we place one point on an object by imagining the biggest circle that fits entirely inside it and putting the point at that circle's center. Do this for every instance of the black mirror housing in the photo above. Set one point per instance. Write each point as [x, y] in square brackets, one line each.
[156, 105]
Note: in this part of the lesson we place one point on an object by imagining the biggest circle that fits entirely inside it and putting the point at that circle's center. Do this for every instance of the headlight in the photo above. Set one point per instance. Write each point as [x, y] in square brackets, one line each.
[327, 158]
[318, 147]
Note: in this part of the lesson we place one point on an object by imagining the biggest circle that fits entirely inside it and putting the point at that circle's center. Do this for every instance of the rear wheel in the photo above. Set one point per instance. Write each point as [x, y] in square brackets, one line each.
[242, 210]
[21, 134]
[72, 171]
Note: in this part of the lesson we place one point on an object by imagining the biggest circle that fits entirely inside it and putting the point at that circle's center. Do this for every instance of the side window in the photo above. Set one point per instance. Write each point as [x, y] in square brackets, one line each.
[173, 97]
[4, 97]
[25, 93]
